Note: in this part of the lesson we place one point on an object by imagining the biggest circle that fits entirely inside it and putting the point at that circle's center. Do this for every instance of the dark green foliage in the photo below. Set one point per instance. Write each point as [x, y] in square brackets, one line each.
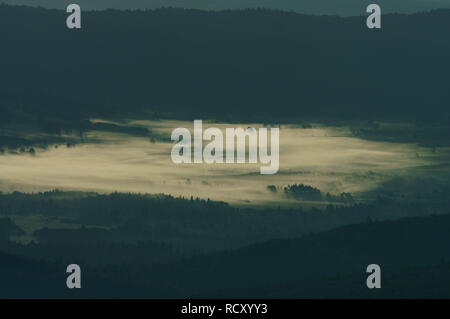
[413, 253]
[304, 192]
[8, 228]
[233, 65]
[309, 193]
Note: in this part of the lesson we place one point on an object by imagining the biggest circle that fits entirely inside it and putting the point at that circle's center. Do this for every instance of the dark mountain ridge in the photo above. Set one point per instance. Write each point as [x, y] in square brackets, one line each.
[342, 7]
[412, 252]
[231, 65]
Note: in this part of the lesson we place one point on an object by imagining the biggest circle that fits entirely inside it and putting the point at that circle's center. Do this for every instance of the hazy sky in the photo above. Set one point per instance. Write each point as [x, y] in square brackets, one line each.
[340, 7]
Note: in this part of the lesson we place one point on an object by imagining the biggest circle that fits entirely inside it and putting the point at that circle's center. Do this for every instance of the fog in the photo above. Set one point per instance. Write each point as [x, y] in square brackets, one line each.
[327, 158]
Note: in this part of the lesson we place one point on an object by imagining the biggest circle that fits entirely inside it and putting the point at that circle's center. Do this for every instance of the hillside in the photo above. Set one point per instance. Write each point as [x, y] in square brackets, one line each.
[413, 254]
[233, 65]
[330, 7]
[345, 252]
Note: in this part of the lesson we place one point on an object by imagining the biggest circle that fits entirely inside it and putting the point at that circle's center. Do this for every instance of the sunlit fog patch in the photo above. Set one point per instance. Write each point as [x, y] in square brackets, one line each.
[329, 159]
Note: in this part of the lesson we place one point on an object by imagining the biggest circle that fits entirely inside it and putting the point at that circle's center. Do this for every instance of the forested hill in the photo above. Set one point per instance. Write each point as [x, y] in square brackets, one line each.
[341, 7]
[413, 254]
[231, 64]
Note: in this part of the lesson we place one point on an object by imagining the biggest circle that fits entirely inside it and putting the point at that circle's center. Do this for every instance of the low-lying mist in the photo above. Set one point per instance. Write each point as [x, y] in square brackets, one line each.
[328, 158]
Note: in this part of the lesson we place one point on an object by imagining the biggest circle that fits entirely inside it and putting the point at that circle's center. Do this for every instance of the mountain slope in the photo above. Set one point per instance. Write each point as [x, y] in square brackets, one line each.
[330, 7]
[235, 65]
[412, 252]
